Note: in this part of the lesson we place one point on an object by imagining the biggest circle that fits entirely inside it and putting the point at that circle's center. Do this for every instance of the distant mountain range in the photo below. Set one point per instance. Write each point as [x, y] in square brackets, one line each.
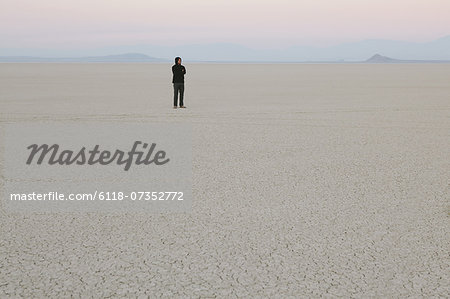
[433, 51]
[137, 57]
[129, 57]
[377, 58]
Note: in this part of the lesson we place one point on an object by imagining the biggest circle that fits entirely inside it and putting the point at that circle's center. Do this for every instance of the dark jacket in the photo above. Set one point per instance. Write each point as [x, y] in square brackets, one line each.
[178, 72]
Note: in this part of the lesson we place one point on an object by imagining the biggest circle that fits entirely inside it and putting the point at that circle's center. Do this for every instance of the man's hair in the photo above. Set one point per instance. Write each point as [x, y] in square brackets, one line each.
[176, 59]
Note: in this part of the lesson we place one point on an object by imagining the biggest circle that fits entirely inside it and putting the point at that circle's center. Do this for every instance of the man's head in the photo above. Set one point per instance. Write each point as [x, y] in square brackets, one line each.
[177, 60]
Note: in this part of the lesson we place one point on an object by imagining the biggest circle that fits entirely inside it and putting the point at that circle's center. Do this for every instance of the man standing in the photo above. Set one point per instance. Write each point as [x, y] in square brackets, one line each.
[178, 72]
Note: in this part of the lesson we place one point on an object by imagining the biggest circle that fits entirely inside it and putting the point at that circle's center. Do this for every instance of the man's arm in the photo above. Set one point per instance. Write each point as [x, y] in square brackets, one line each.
[184, 70]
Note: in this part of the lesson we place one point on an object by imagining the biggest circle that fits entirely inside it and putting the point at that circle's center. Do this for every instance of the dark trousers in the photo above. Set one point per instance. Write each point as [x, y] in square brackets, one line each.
[178, 87]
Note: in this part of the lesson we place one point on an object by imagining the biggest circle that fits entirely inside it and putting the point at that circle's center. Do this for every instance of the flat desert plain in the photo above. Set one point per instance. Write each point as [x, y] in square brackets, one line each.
[309, 180]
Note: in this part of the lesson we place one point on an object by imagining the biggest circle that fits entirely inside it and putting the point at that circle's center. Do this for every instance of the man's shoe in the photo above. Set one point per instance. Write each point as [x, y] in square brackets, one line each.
[182, 106]
[174, 107]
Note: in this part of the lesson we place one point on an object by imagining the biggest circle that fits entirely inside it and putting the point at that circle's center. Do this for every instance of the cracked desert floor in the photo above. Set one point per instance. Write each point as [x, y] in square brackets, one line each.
[309, 180]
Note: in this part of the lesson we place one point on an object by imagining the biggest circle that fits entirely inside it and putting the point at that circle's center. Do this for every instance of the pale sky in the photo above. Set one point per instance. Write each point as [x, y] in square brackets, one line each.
[253, 23]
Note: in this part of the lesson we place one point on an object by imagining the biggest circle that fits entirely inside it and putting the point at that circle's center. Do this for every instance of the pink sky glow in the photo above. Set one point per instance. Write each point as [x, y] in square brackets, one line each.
[262, 23]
